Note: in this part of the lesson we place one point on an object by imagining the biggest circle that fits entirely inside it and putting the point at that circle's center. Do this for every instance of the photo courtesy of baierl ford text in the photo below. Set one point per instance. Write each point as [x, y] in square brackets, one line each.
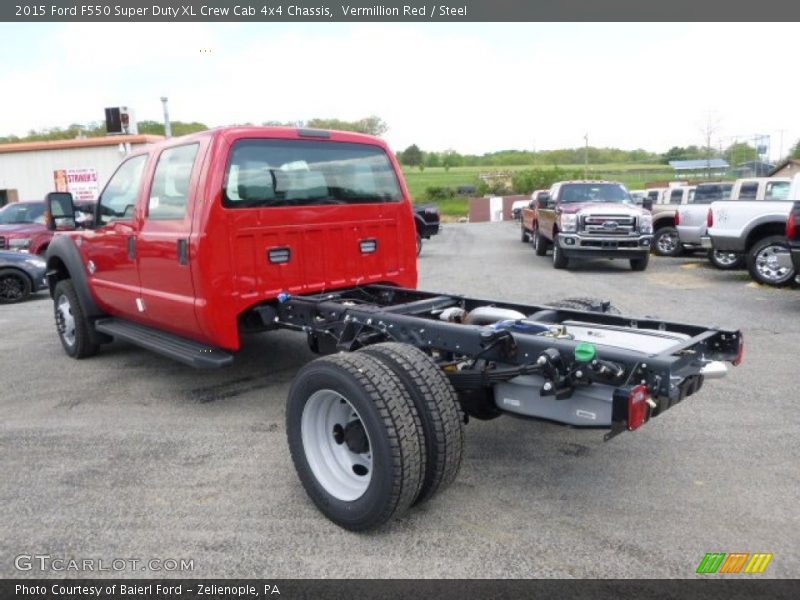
[389, 300]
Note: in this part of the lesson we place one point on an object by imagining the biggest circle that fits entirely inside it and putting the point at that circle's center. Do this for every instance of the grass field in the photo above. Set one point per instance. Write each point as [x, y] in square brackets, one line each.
[632, 175]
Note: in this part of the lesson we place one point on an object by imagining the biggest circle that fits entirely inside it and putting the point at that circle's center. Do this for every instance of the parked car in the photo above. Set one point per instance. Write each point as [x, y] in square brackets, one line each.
[531, 204]
[23, 227]
[756, 229]
[665, 235]
[691, 218]
[426, 219]
[516, 208]
[589, 219]
[20, 275]
[793, 238]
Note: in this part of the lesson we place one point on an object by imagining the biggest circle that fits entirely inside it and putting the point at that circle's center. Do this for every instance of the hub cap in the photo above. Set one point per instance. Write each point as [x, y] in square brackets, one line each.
[774, 264]
[725, 258]
[11, 288]
[65, 321]
[336, 445]
[667, 242]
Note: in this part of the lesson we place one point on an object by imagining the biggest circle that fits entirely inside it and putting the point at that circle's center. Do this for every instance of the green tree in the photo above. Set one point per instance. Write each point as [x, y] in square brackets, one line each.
[452, 159]
[371, 125]
[739, 152]
[178, 127]
[432, 159]
[411, 156]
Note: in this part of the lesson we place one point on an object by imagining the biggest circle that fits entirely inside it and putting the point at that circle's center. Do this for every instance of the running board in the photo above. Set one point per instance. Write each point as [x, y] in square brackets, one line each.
[188, 352]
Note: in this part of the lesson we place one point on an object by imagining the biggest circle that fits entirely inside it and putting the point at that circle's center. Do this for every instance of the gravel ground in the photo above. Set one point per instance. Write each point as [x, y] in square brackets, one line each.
[128, 455]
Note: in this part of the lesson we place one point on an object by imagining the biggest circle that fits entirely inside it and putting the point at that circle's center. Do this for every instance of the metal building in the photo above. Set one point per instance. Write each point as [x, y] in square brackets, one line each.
[29, 170]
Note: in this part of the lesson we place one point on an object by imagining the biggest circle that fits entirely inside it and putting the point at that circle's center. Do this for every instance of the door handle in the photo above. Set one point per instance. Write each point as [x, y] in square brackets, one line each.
[183, 252]
[131, 247]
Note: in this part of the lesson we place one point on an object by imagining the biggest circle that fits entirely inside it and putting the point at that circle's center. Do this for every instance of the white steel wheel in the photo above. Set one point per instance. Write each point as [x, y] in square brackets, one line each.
[336, 445]
[356, 439]
[65, 321]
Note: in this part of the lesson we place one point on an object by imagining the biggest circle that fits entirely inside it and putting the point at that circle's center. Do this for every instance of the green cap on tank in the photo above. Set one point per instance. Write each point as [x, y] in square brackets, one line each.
[585, 352]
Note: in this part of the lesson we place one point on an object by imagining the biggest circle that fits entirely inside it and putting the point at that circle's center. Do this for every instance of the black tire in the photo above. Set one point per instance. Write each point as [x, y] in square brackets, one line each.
[79, 344]
[15, 286]
[539, 244]
[437, 404]
[761, 265]
[559, 260]
[393, 430]
[667, 243]
[525, 237]
[640, 264]
[587, 304]
[419, 244]
[725, 261]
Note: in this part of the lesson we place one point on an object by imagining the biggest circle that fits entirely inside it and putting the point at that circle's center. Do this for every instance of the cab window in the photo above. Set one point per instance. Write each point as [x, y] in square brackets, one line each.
[748, 191]
[169, 193]
[119, 197]
[676, 196]
[777, 190]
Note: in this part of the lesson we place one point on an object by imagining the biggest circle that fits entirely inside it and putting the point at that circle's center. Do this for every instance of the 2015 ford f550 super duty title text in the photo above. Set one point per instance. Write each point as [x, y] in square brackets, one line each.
[197, 239]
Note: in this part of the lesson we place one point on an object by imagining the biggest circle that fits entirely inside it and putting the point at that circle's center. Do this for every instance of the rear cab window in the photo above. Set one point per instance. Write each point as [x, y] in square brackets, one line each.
[748, 191]
[777, 190]
[280, 172]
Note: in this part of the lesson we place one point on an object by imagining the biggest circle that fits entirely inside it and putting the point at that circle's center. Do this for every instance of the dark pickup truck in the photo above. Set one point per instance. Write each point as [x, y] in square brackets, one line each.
[793, 237]
[426, 219]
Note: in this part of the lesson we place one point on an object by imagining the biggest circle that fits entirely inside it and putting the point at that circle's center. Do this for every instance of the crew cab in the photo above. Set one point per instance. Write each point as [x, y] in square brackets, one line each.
[198, 239]
[23, 227]
[756, 229]
[589, 219]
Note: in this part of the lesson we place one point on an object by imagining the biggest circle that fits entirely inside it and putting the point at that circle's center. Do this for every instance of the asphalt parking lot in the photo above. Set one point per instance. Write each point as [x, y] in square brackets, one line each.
[128, 455]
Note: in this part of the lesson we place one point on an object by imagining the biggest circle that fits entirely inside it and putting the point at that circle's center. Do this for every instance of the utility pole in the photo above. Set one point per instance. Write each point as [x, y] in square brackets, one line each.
[167, 127]
[586, 156]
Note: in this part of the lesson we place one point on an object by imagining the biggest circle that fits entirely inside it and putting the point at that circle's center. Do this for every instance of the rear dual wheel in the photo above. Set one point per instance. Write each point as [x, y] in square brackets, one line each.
[359, 433]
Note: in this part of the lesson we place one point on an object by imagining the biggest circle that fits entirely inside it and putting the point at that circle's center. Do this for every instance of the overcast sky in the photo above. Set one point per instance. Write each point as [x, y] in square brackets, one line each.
[472, 87]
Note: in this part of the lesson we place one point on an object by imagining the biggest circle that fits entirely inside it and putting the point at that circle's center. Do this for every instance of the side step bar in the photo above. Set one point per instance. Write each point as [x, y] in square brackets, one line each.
[189, 352]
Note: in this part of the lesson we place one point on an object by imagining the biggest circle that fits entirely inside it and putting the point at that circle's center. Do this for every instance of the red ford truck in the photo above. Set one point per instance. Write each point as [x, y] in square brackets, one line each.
[589, 219]
[197, 239]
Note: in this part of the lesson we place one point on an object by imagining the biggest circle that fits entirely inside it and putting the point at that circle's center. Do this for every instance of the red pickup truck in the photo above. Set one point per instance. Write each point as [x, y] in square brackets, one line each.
[589, 219]
[23, 227]
[197, 239]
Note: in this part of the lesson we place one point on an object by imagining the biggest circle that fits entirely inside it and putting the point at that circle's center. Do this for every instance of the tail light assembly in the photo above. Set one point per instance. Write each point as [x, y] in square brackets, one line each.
[791, 226]
[677, 218]
[710, 218]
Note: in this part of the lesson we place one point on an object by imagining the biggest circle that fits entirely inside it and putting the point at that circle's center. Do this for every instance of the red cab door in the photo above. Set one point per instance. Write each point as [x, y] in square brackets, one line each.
[163, 243]
[109, 249]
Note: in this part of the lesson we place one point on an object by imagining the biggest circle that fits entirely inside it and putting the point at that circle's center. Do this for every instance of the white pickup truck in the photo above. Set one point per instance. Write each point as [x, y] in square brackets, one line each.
[756, 228]
[691, 218]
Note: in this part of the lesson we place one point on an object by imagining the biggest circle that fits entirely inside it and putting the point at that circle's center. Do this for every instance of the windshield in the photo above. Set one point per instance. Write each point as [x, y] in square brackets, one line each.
[301, 172]
[594, 192]
[22, 212]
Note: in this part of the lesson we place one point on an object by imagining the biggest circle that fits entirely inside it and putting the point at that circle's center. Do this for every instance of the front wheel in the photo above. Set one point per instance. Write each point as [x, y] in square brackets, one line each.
[640, 264]
[667, 243]
[725, 261]
[770, 262]
[355, 439]
[559, 260]
[14, 286]
[71, 324]
[539, 244]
